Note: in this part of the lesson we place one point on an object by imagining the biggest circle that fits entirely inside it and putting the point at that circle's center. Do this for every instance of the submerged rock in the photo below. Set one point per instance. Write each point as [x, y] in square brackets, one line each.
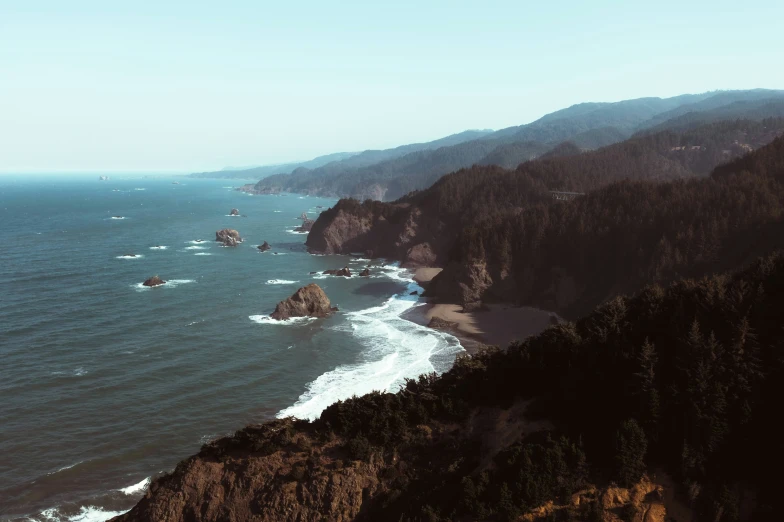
[308, 301]
[154, 281]
[264, 246]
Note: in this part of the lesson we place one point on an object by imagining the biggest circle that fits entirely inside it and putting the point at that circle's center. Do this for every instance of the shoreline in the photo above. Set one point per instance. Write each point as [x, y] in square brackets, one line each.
[492, 325]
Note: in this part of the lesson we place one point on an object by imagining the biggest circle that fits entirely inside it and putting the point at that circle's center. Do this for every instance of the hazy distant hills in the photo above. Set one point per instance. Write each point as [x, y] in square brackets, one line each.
[388, 174]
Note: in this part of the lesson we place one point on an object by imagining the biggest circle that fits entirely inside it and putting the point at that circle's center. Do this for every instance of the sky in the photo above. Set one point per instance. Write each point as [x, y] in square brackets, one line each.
[187, 86]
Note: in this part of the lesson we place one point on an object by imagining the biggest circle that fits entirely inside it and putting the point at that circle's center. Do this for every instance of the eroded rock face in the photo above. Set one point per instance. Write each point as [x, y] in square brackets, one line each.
[336, 233]
[420, 255]
[308, 301]
[154, 281]
[228, 236]
[291, 483]
[464, 284]
[264, 246]
[234, 212]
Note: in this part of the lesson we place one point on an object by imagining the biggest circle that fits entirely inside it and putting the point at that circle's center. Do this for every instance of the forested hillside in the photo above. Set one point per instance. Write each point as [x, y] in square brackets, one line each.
[684, 381]
[588, 125]
[428, 227]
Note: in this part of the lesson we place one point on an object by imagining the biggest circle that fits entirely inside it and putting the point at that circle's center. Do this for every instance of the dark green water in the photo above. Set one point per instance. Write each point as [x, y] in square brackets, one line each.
[103, 383]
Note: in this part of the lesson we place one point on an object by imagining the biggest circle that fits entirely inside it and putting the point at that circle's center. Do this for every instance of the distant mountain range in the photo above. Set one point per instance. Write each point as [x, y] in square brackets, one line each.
[389, 174]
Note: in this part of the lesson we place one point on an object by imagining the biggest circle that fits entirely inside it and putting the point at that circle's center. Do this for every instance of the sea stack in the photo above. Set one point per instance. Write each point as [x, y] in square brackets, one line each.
[264, 246]
[306, 225]
[234, 212]
[154, 281]
[228, 237]
[308, 301]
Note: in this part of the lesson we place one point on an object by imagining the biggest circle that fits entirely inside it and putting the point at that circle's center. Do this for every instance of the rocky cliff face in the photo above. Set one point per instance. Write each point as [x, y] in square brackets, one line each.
[271, 472]
[283, 471]
[395, 231]
[308, 301]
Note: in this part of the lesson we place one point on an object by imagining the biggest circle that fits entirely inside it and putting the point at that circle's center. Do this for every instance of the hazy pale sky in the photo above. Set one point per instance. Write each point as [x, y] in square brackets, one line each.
[191, 86]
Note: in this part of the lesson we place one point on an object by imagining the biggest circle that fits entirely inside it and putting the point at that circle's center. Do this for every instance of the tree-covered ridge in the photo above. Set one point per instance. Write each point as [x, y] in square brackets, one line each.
[686, 379]
[382, 176]
[569, 257]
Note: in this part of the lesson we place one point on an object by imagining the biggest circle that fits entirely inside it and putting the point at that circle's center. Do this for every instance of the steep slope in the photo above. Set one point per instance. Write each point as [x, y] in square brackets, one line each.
[432, 220]
[687, 379]
[569, 257]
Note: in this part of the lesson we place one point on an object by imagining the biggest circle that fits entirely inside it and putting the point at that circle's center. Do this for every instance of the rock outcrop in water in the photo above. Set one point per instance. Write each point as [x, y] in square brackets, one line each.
[234, 212]
[228, 236]
[154, 281]
[365, 273]
[308, 301]
[264, 246]
[343, 272]
[306, 226]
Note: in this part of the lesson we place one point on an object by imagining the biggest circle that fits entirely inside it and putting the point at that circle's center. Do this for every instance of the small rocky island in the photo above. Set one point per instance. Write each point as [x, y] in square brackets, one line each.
[345, 272]
[306, 225]
[264, 246]
[308, 301]
[154, 281]
[234, 212]
[229, 237]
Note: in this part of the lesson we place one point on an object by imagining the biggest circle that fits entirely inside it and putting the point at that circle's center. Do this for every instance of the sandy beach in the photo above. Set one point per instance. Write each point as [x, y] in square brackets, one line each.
[495, 324]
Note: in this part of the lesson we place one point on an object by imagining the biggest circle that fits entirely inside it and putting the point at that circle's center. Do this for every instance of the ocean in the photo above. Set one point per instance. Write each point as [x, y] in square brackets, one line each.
[105, 383]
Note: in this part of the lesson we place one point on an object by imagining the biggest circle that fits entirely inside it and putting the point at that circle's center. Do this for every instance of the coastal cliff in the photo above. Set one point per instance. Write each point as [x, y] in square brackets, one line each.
[501, 237]
[586, 421]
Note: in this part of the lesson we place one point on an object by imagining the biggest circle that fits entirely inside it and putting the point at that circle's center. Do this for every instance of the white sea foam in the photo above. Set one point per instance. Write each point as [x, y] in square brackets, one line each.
[292, 231]
[202, 254]
[277, 211]
[136, 488]
[140, 189]
[280, 282]
[196, 242]
[118, 217]
[231, 215]
[279, 253]
[159, 247]
[79, 372]
[170, 283]
[395, 349]
[137, 256]
[292, 321]
[86, 514]
[66, 467]
[359, 260]
[195, 247]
